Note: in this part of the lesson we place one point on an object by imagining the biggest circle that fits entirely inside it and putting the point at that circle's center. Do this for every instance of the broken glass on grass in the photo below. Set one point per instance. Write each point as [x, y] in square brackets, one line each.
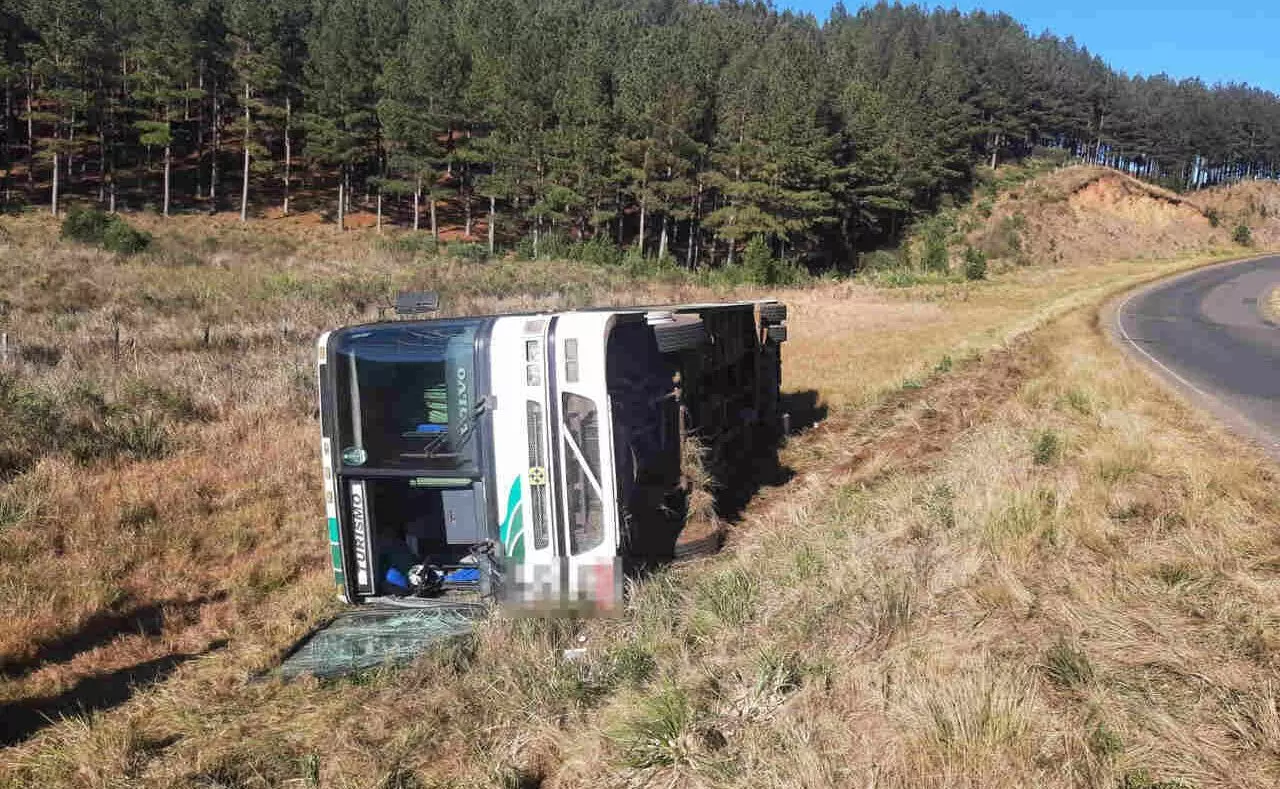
[370, 637]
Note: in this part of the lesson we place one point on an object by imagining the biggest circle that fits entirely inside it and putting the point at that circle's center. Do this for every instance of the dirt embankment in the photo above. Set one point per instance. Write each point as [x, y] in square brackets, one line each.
[1255, 204]
[1084, 215]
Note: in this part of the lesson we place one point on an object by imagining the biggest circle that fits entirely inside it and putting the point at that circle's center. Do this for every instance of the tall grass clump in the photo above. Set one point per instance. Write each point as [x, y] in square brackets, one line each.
[1067, 665]
[660, 732]
[81, 422]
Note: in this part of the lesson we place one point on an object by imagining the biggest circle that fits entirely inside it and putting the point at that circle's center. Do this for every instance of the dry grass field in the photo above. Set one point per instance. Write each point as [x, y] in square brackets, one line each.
[1271, 305]
[1004, 559]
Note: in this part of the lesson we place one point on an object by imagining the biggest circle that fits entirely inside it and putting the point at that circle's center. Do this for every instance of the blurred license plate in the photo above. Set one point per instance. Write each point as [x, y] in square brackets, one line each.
[545, 587]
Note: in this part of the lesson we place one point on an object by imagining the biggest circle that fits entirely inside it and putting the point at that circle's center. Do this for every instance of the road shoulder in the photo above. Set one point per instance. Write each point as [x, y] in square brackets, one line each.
[1222, 413]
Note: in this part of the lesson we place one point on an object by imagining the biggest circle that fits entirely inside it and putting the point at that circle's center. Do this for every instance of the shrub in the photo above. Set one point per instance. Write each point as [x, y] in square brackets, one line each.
[598, 250]
[1104, 742]
[110, 231]
[86, 225]
[555, 246]
[975, 264]
[881, 260]
[81, 423]
[762, 268]
[1242, 235]
[420, 243]
[1213, 217]
[933, 255]
[477, 253]
[758, 260]
[1005, 240]
[1141, 779]
[549, 246]
[640, 266]
[124, 239]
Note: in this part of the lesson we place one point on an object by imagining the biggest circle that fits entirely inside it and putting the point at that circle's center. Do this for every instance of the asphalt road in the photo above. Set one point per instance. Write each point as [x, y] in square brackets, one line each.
[1205, 333]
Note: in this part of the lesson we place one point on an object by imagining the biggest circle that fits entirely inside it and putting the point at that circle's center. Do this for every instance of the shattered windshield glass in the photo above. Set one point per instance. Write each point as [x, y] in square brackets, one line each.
[367, 638]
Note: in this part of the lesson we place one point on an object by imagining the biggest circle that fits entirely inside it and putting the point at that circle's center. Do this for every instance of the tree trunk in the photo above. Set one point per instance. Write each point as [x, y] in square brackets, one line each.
[288, 150]
[8, 141]
[342, 201]
[111, 198]
[167, 171]
[379, 225]
[640, 237]
[244, 183]
[493, 222]
[102, 166]
[53, 200]
[995, 149]
[417, 202]
[71, 141]
[689, 251]
[662, 240]
[435, 228]
[618, 197]
[200, 135]
[213, 155]
[31, 131]
[467, 203]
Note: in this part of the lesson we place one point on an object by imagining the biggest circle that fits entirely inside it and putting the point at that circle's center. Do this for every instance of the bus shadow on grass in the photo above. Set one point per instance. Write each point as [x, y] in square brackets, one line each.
[21, 719]
[103, 628]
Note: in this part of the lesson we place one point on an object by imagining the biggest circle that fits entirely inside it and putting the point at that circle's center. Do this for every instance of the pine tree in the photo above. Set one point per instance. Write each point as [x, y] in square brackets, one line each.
[341, 120]
[254, 28]
[58, 99]
[420, 105]
[162, 83]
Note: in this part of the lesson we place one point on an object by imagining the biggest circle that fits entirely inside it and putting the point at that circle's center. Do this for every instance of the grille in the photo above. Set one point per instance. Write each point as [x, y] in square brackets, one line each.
[537, 459]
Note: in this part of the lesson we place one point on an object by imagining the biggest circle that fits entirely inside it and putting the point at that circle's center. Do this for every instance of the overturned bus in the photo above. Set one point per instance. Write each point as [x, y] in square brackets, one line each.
[532, 458]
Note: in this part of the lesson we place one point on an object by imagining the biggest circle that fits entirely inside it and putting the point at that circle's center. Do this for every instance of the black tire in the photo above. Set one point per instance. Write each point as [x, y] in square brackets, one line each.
[685, 333]
[773, 313]
[777, 334]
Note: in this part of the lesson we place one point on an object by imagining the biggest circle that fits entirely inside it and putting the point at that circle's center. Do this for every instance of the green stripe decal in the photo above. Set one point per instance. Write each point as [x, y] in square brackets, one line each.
[511, 532]
[333, 530]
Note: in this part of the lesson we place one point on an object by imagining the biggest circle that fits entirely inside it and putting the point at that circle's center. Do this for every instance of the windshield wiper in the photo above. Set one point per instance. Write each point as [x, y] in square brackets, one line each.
[466, 428]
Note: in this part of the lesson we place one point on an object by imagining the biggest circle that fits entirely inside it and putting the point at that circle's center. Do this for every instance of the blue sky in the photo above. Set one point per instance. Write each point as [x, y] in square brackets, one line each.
[1216, 40]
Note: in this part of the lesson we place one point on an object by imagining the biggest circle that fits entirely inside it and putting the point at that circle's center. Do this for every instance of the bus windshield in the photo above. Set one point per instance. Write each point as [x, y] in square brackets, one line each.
[406, 396]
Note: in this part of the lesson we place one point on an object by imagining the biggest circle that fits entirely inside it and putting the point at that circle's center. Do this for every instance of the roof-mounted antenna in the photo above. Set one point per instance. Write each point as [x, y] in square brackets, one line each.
[417, 302]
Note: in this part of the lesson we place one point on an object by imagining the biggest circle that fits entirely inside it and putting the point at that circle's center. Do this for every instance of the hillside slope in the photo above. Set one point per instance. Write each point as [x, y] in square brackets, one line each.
[1255, 204]
[1080, 215]
[1083, 215]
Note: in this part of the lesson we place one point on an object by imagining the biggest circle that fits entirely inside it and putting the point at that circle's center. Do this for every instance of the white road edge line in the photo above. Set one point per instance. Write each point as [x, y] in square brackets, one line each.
[1212, 399]
[1125, 334]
